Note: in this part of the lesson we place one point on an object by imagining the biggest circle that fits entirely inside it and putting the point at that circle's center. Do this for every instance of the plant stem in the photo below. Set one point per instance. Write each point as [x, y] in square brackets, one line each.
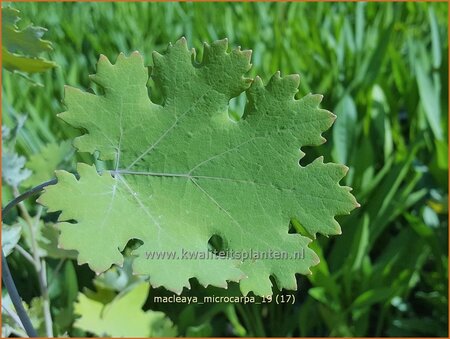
[15, 298]
[258, 322]
[25, 254]
[46, 306]
[26, 195]
[55, 273]
[6, 273]
[230, 312]
[245, 317]
[15, 318]
[39, 264]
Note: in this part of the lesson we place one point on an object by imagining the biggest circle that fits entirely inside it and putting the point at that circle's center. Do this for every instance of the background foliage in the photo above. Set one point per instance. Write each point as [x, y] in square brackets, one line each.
[383, 71]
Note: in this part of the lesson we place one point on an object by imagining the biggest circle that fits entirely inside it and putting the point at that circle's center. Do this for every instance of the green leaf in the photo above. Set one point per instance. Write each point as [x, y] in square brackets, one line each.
[123, 317]
[47, 239]
[44, 163]
[10, 237]
[10, 319]
[430, 100]
[344, 130]
[435, 38]
[319, 294]
[117, 278]
[373, 296]
[13, 171]
[184, 171]
[27, 40]
[21, 47]
[48, 243]
[204, 330]
[379, 113]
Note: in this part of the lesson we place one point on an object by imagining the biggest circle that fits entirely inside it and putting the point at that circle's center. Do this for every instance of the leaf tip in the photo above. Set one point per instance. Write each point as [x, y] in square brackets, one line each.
[157, 57]
[345, 169]
[222, 42]
[258, 81]
[319, 159]
[181, 42]
[247, 53]
[103, 58]
[294, 76]
[121, 57]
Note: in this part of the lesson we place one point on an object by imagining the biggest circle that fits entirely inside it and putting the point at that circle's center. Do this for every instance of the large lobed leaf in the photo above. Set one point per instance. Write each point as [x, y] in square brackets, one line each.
[184, 171]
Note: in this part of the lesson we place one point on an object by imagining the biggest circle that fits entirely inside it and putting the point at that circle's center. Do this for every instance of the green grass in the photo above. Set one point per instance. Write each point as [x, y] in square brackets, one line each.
[382, 68]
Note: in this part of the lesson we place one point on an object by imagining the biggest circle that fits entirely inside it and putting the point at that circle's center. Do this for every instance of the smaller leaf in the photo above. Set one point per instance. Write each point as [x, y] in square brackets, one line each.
[344, 129]
[48, 242]
[9, 314]
[13, 171]
[44, 163]
[15, 62]
[47, 238]
[118, 278]
[21, 47]
[123, 317]
[201, 331]
[372, 296]
[435, 38]
[10, 237]
[430, 100]
[34, 310]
